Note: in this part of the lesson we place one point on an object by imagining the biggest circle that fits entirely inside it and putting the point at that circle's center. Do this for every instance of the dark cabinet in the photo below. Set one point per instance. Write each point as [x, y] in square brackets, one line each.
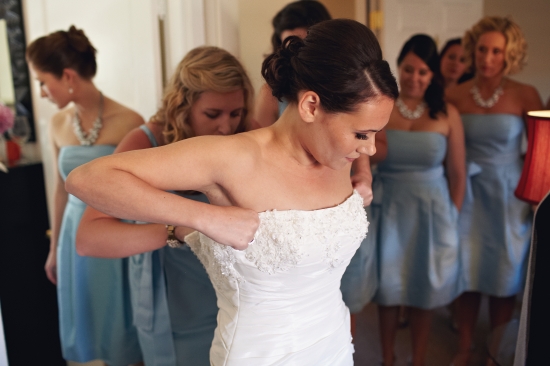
[27, 299]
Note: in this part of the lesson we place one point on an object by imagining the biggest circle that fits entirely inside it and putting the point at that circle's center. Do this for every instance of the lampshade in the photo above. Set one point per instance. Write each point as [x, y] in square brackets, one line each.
[535, 177]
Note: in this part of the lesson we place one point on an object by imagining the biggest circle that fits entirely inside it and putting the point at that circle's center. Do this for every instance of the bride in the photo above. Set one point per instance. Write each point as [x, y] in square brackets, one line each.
[284, 220]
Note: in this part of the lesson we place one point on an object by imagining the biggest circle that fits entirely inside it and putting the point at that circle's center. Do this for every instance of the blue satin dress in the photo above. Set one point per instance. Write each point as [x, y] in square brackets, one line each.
[95, 314]
[360, 280]
[174, 303]
[495, 226]
[415, 223]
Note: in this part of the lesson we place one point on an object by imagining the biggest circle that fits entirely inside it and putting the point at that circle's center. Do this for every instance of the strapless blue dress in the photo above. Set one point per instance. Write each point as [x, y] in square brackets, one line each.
[95, 314]
[174, 303]
[415, 223]
[495, 227]
[360, 280]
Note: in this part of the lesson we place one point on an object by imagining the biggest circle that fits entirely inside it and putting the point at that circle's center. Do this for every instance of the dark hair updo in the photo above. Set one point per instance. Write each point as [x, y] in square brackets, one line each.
[298, 14]
[424, 47]
[63, 50]
[340, 60]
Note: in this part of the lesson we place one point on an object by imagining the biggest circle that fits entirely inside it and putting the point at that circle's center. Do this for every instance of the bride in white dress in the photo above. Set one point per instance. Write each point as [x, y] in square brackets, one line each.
[284, 220]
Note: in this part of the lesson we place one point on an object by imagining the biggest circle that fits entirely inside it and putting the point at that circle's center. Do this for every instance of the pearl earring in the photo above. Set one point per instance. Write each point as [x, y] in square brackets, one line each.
[70, 90]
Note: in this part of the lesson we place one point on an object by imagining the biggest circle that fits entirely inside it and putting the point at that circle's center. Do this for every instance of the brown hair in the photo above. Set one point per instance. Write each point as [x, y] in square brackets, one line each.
[202, 69]
[298, 14]
[515, 53]
[340, 60]
[63, 50]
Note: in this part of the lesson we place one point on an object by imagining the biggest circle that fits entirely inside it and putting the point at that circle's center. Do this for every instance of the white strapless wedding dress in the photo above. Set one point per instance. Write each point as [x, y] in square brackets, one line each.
[280, 301]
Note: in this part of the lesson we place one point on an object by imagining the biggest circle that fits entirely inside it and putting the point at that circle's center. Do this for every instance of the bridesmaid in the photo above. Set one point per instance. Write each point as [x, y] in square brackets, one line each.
[415, 219]
[94, 305]
[452, 63]
[292, 20]
[495, 226]
[173, 299]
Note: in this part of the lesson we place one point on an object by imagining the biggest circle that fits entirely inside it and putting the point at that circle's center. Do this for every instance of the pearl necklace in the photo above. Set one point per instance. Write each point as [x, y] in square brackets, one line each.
[88, 139]
[489, 102]
[407, 113]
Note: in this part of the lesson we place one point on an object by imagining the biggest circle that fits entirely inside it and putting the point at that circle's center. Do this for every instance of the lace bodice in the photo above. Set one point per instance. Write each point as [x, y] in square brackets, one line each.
[279, 299]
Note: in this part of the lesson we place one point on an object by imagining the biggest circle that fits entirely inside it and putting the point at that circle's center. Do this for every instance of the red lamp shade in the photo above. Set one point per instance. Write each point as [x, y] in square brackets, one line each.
[535, 177]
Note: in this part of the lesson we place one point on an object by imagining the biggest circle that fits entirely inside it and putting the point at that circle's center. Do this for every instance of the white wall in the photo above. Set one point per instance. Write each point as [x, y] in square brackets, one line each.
[533, 18]
[255, 34]
[6, 80]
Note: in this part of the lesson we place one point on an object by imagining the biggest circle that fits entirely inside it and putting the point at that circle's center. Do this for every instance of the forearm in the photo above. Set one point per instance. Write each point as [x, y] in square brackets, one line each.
[60, 202]
[121, 194]
[108, 237]
[457, 189]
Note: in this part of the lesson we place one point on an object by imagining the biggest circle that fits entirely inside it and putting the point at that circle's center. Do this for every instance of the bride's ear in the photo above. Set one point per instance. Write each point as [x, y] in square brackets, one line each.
[309, 106]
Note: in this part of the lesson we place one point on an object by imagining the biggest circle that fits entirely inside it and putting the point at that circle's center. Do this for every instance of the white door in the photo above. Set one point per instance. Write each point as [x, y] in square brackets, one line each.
[440, 19]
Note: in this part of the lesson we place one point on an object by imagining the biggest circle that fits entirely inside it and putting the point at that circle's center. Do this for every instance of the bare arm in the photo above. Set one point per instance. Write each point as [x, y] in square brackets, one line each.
[531, 99]
[362, 178]
[455, 160]
[266, 110]
[101, 235]
[60, 201]
[133, 185]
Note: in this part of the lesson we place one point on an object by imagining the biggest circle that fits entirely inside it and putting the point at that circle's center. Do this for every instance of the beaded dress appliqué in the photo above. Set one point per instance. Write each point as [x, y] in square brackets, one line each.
[280, 301]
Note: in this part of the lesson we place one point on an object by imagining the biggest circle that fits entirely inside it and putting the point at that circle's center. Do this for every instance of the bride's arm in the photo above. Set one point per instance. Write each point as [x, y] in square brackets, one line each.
[133, 186]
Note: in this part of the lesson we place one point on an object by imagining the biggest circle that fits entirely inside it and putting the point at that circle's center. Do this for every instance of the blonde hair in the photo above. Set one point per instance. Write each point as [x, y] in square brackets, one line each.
[202, 69]
[515, 54]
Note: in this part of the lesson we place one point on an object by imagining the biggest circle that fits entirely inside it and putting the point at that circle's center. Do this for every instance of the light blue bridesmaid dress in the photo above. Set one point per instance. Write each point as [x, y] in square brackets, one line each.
[95, 313]
[360, 280]
[495, 226]
[415, 223]
[174, 303]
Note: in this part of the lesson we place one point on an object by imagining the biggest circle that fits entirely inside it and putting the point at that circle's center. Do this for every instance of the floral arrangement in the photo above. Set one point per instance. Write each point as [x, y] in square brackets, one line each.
[6, 118]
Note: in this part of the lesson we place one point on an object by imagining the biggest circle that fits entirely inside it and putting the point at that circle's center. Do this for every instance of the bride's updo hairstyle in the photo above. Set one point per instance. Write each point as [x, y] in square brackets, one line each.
[63, 50]
[340, 60]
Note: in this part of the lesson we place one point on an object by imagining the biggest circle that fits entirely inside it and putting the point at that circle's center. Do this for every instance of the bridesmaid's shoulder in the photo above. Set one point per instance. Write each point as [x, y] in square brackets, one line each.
[122, 114]
[62, 120]
[527, 94]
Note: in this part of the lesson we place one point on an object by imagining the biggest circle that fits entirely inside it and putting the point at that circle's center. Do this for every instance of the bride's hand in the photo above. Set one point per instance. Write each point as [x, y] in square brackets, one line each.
[232, 226]
[362, 183]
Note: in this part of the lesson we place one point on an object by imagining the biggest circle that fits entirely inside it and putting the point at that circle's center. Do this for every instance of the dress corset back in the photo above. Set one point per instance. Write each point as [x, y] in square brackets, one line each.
[280, 299]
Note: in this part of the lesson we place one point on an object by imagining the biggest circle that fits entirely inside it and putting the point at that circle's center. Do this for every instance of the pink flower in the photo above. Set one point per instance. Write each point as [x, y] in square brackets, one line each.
[6, 118]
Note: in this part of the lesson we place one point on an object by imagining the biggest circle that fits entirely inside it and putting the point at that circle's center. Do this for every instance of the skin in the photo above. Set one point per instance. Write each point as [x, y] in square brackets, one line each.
[266, 112]
[517, 100]
[414, 78]
[303, 161]
[453, 65]
[101, 235]
[117, 122]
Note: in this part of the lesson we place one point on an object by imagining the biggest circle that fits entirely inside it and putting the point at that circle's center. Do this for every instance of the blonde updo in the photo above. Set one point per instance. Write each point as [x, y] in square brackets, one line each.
[515, 54]
[202, 69]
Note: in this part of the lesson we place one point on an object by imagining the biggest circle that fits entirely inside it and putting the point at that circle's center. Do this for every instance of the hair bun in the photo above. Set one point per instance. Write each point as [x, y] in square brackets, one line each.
[277, 68]
[78, 40]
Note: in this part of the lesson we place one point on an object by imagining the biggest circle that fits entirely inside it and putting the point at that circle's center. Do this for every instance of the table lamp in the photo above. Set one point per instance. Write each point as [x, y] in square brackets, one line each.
[535, 176]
